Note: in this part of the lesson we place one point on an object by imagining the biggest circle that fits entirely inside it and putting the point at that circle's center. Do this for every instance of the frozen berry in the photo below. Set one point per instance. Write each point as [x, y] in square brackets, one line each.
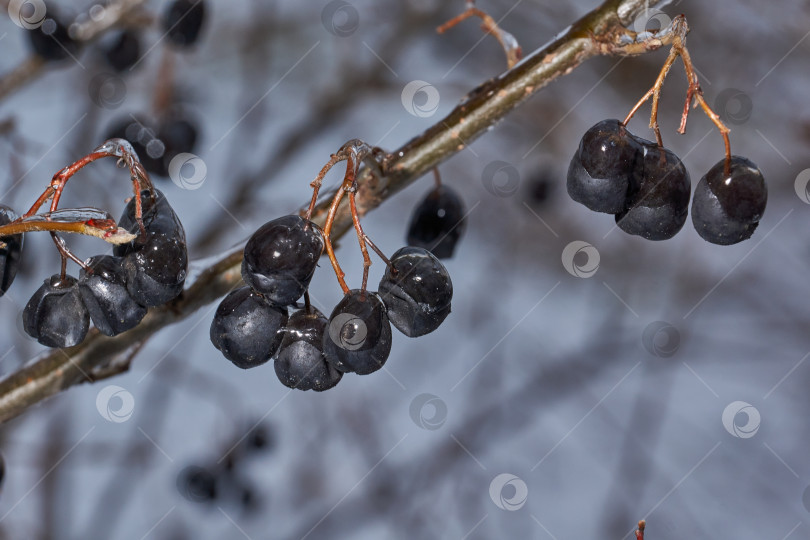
[56, 315]
[155, 263]
[438, 222]
[10, 251]
[124, 51]
[358, 337]
[658, 205]
[51, 40]
[301, 363]
[417, 292]
[104, 292]
[280, 258]
[726, 208]
[247, 329]
[601, 171]
[183, 21]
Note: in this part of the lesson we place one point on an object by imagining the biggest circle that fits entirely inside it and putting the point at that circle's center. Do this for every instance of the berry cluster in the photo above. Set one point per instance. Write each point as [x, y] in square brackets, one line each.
[647, 187]
[147, 267]
[263, 320]
[226, 481]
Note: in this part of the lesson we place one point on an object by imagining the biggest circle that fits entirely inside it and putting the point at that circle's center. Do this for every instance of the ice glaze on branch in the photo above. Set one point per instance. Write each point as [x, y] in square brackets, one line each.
[601, 32]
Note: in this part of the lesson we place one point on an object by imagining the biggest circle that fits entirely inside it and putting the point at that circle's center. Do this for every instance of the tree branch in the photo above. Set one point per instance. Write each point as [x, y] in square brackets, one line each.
[601, 32]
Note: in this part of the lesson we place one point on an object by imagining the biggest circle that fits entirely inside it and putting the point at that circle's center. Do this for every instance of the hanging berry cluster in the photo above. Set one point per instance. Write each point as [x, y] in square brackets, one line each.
[253, 324]
[647, 187]
[147, 267]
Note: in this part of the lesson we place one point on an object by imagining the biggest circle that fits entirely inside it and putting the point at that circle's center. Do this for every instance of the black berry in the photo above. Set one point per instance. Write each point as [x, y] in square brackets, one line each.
[438, 222]
[281, 257]
[418, 294]
[183, 21]
[104, 292]
[726, 208]
[659, 200]
[198, 484]
[9, 253]
[358, 337]
[301, 363]
[247, 329]
[601, 171]
[51, 40]
[56, 315]
[124, 51]
[155, 263]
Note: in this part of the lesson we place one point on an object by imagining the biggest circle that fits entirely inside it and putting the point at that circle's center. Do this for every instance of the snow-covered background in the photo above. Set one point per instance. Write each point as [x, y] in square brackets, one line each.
[537, 374]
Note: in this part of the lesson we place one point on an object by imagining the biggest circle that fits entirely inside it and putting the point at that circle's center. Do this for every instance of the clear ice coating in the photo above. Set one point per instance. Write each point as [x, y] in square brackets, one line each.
[117, 147]
[71, 215]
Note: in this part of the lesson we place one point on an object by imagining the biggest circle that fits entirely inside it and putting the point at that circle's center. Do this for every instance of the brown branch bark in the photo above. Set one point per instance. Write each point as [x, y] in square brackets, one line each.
[601, 32]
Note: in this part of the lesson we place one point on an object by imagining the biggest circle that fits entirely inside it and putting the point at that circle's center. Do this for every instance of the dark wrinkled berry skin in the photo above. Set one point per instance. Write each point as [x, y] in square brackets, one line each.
[438, 222]
[156, 264]
[104, 292]
[281, 257]
[183, 21]
[600, 174]
[358, 337]
[247, 329]
[51, 40]
[124, 51]
[659, 203]
[11, 253]
[56, 315]
[418, 295]
[301, 363]
[726, 209]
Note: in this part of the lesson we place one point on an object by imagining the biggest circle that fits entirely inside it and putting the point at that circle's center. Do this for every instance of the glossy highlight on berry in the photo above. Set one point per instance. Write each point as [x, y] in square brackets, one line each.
[301, 363]
[281, 257]
[56, 315]
[658, 204]
[104, 292]
[600, 174]
[247, 329]
[726, 208]
[438, 222]
[417, 291]
[358, 337]
[156, 263]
